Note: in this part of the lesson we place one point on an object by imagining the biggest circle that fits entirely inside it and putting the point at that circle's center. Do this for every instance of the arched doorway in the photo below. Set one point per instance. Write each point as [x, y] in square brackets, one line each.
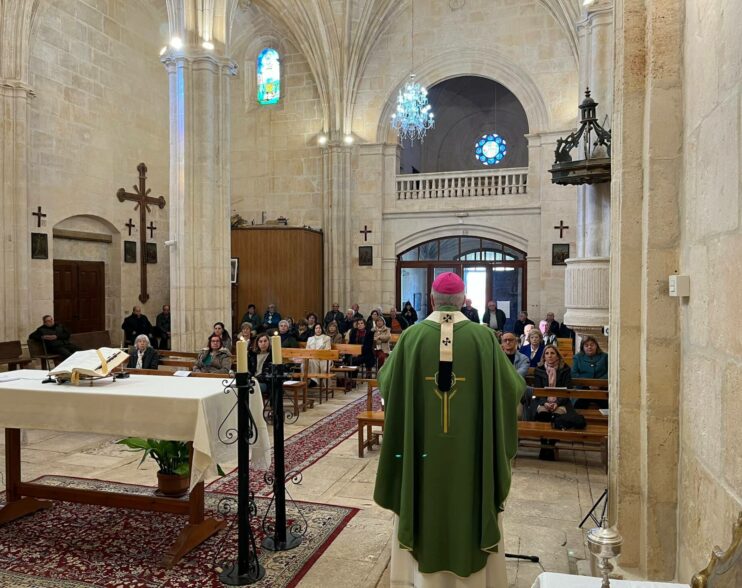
[491, 270]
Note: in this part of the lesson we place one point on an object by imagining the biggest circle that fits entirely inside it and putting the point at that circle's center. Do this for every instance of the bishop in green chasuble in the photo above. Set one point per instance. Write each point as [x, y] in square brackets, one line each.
[445, 459]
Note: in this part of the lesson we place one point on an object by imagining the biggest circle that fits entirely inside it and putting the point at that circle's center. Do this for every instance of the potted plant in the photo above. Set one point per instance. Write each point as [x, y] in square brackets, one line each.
[173, 457]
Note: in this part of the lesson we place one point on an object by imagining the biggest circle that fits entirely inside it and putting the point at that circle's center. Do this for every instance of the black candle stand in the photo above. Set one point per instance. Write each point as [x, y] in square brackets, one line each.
[279, 536]
[246, 569]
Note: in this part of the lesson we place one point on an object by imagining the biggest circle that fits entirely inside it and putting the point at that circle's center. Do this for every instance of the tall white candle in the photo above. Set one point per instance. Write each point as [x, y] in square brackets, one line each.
[241, 357]
[276, 355]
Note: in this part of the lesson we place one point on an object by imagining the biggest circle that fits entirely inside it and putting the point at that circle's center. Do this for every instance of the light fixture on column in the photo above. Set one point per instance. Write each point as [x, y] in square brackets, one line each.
[414, 116]
[348, 139]
[594, 166]
[208, 45]
[321, 139]
[176, 43]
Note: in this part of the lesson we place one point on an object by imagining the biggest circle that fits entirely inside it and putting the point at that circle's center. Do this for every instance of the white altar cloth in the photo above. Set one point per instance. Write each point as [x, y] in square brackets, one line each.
[551, 580]
[159, 407]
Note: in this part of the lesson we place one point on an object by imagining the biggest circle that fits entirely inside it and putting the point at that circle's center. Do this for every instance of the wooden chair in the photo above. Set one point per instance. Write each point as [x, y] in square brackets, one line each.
[91, 340]
[11, 354]
[342, 370]
[368, 419]
[566, 348]
[37, 350]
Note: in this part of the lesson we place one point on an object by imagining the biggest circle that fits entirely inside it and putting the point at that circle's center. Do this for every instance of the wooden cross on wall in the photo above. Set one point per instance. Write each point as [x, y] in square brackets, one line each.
[143, 199]
[365, 232]
[39, 215]
[561, 227]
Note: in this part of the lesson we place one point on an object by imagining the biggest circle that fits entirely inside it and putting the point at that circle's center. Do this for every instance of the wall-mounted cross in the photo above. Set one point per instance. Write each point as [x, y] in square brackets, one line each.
[39, 216]
[143, 199]
[152, 228]
[365, 232]
[131, 225]
[561, 227]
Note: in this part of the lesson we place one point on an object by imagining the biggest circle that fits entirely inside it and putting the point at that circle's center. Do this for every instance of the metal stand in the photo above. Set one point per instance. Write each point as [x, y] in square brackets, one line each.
[282, 538]
[246, 569]
[531, 558]
[590, 515]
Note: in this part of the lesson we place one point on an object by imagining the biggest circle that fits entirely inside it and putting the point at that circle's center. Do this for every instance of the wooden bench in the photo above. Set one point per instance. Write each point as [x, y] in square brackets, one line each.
[368, 419]
[346, 371]
[594, 436]
[303, 356]
[91, 340]
[11, 354]
[37, 350]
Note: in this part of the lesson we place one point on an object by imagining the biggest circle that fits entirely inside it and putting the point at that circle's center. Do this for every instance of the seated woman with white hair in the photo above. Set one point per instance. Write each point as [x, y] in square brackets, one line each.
[143, 357]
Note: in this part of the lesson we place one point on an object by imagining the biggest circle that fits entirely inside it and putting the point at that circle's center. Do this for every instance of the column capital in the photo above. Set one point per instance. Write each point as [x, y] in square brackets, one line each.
[201, 58]
[15, 89]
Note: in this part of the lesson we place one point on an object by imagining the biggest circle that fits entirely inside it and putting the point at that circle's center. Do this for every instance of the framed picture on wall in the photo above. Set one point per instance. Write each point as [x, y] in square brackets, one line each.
[151, 253]
[234, 267]
[39, 246]
[559, 253]
[130, 251]
[366, 255]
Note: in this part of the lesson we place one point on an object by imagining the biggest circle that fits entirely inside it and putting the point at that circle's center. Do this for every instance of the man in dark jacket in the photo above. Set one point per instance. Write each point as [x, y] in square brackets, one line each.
[162, 327]
[493, 317]
[521, 323]
[469, 311]
[333, 315]
[54, 337]
[137, 324]
[395, 321]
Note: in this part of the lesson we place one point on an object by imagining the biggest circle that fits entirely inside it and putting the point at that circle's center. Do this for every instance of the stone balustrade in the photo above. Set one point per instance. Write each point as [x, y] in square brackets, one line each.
[463, 184]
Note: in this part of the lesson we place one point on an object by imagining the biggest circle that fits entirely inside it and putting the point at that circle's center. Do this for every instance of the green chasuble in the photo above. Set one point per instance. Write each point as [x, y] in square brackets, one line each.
[445, 458]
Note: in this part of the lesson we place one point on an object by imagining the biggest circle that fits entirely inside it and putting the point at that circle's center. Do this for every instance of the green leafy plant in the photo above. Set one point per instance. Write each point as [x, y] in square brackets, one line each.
[173, 457]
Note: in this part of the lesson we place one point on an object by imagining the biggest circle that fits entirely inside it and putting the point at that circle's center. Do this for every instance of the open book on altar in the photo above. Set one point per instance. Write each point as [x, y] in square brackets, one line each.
[92, 363]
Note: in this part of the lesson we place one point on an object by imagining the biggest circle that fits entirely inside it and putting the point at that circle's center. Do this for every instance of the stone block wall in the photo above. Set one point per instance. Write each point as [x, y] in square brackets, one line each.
[710, 469]
[101, 108]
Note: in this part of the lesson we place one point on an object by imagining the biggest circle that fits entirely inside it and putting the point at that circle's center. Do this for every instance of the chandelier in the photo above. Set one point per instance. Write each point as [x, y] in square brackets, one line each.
[413, 117]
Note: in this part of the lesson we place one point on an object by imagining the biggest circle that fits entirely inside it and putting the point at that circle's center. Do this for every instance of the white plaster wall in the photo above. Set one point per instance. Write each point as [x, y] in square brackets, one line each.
[101, 107]
[710, 484]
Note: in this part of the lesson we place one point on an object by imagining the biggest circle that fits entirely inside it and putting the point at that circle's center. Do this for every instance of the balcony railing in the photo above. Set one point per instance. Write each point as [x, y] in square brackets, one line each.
[464, 184]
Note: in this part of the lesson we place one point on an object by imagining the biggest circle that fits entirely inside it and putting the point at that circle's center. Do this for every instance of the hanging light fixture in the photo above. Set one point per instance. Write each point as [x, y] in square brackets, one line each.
[414, 116]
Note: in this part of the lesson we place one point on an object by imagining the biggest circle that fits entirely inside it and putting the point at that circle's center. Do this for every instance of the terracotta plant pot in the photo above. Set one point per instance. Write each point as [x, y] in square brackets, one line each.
[172, 484]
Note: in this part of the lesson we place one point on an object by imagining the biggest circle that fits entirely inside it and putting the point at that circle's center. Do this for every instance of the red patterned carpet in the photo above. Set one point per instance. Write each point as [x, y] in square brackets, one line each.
[306, 447]
[83, 546]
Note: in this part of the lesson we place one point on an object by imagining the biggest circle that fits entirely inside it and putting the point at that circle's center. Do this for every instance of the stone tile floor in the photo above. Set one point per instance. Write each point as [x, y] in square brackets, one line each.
[547, 501]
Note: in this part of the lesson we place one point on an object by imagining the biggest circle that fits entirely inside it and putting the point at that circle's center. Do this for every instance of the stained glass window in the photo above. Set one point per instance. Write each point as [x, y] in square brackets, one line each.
[490, 149]
[269, 77]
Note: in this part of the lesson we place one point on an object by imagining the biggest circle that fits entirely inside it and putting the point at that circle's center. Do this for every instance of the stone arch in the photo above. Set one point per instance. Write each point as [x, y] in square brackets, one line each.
[495, 66]
[461, 230]
[66, 246]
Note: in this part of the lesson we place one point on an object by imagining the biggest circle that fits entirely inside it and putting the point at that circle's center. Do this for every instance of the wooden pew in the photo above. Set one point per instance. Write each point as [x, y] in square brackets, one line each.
[367, 419]
[346, 371]
[303, 356]
[594, 436]
[91, 340]
[11, 354]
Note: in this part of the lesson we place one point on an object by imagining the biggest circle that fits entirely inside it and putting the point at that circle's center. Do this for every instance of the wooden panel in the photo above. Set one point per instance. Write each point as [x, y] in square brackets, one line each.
[280, 265]
[91, 296]
[65, 293]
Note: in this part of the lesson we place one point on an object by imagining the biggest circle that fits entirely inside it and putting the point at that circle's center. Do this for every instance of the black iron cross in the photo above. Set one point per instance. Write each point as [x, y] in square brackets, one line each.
[131, 225]
[561, 227]
[152, 228]
[39, 216]
[365, 233]
[446, 341]
[143, 199]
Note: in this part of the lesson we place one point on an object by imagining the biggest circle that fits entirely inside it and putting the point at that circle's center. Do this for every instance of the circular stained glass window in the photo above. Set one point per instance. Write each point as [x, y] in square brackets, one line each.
[491, 149]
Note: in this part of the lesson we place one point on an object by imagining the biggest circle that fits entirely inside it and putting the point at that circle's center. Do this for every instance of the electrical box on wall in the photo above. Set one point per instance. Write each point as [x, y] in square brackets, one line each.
[679, 286]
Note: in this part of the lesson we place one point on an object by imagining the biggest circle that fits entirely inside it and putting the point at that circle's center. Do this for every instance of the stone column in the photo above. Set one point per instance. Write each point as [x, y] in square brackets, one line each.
[199, 203]
[586, 283]
[15, 240]
[645, 237]
[336, 220]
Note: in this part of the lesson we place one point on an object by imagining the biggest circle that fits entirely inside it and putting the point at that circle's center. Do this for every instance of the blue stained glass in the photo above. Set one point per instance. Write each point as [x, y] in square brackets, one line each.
[269, 77]
[490, 149]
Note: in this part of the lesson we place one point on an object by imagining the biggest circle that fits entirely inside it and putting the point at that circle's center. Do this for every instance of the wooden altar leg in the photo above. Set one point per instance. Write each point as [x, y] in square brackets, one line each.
[16, 506]
[196, 532]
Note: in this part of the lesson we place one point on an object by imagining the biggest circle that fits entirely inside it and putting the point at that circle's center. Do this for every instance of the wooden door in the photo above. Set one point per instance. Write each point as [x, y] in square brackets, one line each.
[79, 295]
